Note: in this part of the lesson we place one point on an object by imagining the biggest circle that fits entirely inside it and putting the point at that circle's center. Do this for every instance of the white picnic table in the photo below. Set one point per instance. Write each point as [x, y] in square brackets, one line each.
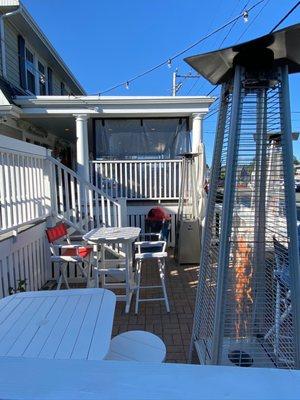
[58, 324]
[115, 235]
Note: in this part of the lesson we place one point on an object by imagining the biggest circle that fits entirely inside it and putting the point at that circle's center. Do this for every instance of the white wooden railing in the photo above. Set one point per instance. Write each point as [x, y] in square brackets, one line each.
[24, 184]
[138, 179]
[34, 186]
[25, 257]
[79, 202]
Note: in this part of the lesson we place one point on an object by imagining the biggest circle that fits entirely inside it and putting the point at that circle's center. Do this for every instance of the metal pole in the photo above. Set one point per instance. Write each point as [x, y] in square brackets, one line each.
[260, 207]
[291, 213]
[226, 224]
[209, 215]
[174, 86]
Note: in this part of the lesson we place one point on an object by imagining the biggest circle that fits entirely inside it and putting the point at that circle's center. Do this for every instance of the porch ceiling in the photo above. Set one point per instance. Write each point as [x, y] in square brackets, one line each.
[63, 127]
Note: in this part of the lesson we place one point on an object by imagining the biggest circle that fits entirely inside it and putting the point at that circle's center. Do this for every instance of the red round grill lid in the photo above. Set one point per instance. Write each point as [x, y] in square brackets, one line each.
[158, 214]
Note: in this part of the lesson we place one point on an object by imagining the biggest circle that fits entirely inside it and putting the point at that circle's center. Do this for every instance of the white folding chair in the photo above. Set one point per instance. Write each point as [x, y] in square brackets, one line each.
[63, 254]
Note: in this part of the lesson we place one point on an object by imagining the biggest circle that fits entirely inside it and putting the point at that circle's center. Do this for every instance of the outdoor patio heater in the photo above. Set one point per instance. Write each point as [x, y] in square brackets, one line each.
[247, 309]
[188, 228]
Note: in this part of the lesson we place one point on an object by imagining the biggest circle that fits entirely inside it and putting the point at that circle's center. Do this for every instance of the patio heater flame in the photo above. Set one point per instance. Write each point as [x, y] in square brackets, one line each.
[247, 310]
[243, 285]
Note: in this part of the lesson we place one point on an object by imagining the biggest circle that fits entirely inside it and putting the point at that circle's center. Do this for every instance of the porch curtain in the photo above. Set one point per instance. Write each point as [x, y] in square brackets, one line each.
[162, 138]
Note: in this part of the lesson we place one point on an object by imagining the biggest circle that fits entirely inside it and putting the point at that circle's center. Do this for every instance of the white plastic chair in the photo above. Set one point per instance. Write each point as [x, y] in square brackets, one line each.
[156, 251]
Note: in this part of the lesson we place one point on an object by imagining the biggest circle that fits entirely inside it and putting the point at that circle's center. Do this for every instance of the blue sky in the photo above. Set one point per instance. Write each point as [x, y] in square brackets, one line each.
[107, 42]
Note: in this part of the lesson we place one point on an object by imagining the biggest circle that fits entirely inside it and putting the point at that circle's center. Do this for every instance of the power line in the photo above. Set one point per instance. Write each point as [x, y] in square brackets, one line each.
[286, 15]
[228, 33]
[226, 36]
[213, 112]
[253, 19]
[180, 53]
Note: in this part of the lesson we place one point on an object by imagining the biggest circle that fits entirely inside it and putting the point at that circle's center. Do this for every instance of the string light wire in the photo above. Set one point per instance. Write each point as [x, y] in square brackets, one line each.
[180, 53]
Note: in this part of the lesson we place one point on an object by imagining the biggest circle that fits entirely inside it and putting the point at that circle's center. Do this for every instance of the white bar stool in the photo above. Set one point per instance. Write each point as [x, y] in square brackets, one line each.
[137, 346]
[156, 251]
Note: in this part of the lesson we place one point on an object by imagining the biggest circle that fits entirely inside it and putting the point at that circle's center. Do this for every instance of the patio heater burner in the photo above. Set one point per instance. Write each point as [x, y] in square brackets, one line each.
[247, 310]
[240, 358]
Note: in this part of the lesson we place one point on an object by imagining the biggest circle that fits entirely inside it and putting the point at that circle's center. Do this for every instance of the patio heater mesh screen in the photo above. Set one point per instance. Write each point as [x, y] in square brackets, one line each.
[247, 306]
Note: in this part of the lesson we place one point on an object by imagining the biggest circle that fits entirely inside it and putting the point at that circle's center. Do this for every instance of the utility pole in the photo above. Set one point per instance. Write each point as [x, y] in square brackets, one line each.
[174, 83]
[177, 86]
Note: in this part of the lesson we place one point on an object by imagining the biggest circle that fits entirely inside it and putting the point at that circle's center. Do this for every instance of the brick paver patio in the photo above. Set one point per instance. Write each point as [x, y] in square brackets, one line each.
[175, 327]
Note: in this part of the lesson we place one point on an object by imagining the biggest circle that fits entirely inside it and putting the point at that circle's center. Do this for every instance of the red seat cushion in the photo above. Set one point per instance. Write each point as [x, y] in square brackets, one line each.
[77, 252]
[57, 232]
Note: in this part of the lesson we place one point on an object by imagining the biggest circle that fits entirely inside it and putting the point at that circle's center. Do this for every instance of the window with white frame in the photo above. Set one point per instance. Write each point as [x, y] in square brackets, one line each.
[30, 75]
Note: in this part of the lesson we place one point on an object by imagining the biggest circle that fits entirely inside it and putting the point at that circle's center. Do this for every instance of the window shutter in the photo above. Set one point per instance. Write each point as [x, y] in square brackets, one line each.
[21, 54]
[62, 89]
[50, 81]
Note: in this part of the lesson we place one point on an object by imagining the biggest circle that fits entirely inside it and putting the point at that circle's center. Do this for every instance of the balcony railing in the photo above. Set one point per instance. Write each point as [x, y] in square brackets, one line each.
[138, 179]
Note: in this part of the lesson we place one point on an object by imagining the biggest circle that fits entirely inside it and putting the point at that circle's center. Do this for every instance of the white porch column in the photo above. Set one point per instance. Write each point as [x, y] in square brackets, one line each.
[197, 132]
[82, 146]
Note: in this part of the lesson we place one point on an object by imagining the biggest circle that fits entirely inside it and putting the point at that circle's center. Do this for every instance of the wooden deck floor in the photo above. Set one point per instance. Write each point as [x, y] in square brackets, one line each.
[173, 328]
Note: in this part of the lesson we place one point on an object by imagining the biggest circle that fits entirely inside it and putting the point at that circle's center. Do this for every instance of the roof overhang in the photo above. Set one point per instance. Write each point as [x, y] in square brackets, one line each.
[113, 106]
[217, 66]
[31, 31]
[56, 114]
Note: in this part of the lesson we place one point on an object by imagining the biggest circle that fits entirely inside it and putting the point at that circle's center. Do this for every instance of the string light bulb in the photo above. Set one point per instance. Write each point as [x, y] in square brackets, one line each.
[127, 85]
[246, 16]
[169, 63]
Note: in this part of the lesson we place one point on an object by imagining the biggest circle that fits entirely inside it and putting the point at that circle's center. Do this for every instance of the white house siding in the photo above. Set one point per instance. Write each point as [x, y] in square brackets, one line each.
[11, 51]
[56, 84]
[12, 61]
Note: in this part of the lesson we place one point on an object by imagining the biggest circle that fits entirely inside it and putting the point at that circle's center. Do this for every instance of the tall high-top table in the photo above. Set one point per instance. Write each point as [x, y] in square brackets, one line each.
[57, 324]
[124, 236]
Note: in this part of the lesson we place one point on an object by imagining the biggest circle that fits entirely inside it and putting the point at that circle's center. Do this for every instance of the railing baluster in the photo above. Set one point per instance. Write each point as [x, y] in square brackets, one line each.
[91, 207]
[137, 190]
[67, 197]
[60, 192]
[120, 185]
[72, 198]
[79, 205]
[7, 191]
[116, 181]
[130, 178]
[13, 190]
[106, 178]
[108, 212]
[103, 211]
[3, 208]
[174, 194]
[145, 180]
[169, 196]
[159, 176]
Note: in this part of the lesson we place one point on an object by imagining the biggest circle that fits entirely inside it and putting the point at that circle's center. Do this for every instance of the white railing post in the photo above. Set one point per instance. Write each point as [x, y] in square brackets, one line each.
[50, 199]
